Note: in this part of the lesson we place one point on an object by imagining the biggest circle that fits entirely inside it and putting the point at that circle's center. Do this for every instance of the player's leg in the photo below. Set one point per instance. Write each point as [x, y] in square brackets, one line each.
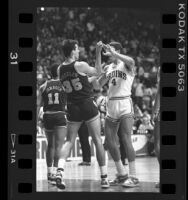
[157, 139]
[72, 130]
[122, 149]
[92, 119]
[60, 134]
[73, 125]
[126, 125]
[50, 151]
[157, 143]
[85, 146]
[49, 132]
[110, 130]
[94, 128]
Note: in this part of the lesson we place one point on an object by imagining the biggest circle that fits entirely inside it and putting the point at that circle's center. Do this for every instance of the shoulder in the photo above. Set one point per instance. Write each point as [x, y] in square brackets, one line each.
[80, 67]
[80, 64]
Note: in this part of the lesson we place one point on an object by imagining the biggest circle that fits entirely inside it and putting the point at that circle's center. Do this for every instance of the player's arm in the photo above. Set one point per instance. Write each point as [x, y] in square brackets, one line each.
[92, 78]
[100, 82]
[83, 67]
[39, 103]
[129, 62]
[58, 72]
[39, 100]
[156, 107]
[98, 65]
[94, 82]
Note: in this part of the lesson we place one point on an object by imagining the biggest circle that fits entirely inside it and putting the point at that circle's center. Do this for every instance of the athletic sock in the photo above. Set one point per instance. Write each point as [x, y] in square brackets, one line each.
[50, 170]
[120, 168]
[61, 163]
[54, 170]
[103, 170]
[132, 168]
[126, 161]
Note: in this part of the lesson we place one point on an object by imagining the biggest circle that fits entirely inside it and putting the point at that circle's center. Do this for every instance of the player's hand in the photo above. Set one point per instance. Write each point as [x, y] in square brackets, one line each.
[99, 46]
[109, 51]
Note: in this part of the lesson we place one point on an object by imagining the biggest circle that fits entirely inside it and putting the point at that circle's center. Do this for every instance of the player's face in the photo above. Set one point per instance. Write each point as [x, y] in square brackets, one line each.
[76, 52]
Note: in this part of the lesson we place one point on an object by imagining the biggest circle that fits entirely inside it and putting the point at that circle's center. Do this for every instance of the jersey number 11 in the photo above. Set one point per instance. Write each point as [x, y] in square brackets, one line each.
[56, 100]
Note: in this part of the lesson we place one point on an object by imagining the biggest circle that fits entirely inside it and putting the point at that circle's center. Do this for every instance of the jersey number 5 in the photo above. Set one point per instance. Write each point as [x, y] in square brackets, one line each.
[75, 83]
[56, 100]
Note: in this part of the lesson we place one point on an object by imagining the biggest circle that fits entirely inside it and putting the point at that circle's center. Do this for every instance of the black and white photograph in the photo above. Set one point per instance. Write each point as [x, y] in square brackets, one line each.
[98, 99]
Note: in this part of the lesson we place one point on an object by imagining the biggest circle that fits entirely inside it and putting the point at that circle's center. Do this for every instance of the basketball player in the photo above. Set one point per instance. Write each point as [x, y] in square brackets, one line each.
[80, 105]
[156, 121]
[52, 97]
[119, 75]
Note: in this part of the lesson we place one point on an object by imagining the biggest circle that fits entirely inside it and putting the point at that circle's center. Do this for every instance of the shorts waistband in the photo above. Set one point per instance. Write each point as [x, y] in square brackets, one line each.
[79, 101]
[119, 98]
[54, 112]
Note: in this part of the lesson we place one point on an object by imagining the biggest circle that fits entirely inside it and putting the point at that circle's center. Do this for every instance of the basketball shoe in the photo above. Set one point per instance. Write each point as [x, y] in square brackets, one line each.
[51, 178]
[104, 182]
[59, 179]
[131, 182]
[118, 180]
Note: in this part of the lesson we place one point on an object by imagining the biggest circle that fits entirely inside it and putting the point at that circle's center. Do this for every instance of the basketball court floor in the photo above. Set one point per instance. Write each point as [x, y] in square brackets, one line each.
[87, 178]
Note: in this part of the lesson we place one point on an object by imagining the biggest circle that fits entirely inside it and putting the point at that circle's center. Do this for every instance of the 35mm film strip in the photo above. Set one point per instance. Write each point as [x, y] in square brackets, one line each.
[22, 100]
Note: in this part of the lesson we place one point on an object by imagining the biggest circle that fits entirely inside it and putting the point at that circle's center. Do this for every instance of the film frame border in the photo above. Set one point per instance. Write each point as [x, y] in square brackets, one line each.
[22, 74]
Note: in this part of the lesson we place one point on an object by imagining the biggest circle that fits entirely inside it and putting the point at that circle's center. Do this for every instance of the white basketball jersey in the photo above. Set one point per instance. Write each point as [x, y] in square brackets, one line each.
[120, 82]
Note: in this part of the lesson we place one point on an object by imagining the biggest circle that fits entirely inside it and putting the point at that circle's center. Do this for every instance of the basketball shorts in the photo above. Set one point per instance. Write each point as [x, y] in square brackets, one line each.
[85, 110]
[119, 107]
[53, 120]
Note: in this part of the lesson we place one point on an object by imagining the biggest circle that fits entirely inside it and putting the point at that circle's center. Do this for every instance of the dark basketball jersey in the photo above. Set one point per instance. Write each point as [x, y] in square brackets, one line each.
[53, 96]
[76, 86]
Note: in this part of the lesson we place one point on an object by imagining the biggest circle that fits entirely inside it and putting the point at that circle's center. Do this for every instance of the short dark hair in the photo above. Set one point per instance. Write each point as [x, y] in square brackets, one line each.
[53, 70]
[117, 46]
[67, 47]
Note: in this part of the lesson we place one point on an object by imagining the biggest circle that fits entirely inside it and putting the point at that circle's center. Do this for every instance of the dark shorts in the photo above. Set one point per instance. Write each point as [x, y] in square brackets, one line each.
[51, 121]
[82, 111]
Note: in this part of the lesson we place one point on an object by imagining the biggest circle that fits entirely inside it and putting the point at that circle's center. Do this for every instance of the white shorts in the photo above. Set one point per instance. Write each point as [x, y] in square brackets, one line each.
[119, 107]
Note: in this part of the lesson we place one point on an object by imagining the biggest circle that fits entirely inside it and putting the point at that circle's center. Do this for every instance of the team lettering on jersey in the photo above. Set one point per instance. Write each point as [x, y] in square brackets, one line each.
[69, 74]
[54, 87]
[118, 74]
[120, 83]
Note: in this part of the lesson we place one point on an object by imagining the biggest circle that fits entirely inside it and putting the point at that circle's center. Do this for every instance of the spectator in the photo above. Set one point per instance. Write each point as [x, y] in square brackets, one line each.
[139, 93]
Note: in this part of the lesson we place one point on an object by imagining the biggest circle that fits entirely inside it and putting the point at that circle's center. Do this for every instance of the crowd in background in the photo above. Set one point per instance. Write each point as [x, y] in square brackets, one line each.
[137, 31]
